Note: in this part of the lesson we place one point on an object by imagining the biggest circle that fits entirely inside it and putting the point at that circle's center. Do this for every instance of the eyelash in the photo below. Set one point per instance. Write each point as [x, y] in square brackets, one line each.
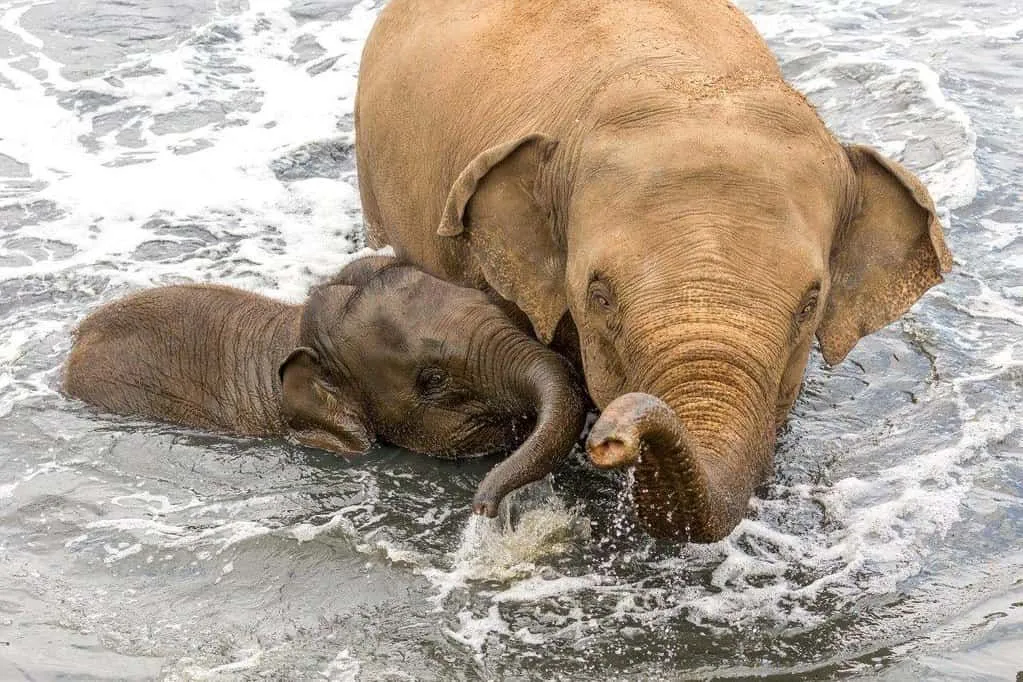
[432, 382]
[602, 299]
[809, 306]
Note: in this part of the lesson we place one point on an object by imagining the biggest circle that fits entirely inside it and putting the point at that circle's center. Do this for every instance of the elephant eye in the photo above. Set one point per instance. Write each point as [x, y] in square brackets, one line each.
[600, 295]
[431, 381]
[809, 307]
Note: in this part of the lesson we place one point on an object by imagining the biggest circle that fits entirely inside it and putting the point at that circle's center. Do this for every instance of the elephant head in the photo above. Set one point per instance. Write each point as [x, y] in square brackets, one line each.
[698, 248]
[389, 351]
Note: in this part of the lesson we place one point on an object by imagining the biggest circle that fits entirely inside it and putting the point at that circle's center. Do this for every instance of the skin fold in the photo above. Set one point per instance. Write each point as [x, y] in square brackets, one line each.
[381, 351]
[638, 179]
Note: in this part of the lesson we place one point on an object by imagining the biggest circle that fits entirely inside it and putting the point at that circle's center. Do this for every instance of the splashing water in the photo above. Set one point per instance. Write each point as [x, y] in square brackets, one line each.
[501, 550]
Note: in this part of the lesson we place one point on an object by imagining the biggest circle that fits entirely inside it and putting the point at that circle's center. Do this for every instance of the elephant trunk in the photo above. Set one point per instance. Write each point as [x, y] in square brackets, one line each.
[699, 449]
[547, 384]
[679, 491]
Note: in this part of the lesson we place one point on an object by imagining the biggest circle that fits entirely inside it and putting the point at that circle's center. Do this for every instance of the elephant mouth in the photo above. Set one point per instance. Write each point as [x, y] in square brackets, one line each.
[489, 435]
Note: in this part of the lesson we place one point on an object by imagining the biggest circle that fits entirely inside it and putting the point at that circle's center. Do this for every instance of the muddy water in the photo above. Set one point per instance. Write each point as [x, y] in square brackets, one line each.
[145, 143]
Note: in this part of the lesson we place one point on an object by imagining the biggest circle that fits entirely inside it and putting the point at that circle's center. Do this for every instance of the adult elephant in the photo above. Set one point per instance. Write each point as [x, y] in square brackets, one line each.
[638, 175]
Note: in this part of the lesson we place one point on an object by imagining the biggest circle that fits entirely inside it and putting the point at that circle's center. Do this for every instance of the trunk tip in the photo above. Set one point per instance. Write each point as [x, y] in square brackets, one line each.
[616, 439]
[485, 505]
[612, 452]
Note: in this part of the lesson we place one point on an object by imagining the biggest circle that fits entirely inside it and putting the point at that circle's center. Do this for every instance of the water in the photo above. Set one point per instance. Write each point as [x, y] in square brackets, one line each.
[190, 140]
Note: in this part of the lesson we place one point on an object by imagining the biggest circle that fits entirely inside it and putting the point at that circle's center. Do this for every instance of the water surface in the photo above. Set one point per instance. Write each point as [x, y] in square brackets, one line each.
[188, 140]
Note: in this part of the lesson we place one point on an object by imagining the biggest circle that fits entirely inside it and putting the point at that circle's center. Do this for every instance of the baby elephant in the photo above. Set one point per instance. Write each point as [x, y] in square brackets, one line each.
[382, 350]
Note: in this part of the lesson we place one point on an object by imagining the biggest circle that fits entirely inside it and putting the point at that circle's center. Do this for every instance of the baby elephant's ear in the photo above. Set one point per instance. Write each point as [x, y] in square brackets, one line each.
[318, 412]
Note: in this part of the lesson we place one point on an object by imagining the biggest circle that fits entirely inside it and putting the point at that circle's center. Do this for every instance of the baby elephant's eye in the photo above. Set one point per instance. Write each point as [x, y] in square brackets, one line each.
[431, 380]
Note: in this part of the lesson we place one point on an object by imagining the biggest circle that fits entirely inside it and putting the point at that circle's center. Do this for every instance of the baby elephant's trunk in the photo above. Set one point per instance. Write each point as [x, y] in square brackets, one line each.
[548, 383]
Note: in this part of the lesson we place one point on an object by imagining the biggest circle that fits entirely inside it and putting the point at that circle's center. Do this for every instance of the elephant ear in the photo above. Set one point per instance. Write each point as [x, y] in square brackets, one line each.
[885, 258]
[320, 413]
[496, 203]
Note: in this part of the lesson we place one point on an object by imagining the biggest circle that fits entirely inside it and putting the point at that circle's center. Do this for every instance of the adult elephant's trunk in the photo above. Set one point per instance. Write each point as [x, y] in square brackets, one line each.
[548, 386]
[700, 451]
[679, 490]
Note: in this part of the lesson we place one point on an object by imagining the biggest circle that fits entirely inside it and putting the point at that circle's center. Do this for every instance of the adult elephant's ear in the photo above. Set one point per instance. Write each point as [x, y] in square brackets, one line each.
[886, 256]
[320, 413]
[498, 204]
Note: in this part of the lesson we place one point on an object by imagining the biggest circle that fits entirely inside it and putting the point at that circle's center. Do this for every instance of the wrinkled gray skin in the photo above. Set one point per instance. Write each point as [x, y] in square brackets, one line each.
[639, 180]
[380, 351]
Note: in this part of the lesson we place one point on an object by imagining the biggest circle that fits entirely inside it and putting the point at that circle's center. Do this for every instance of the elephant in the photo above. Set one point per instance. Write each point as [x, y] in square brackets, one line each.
[381, 350]
[640, 181]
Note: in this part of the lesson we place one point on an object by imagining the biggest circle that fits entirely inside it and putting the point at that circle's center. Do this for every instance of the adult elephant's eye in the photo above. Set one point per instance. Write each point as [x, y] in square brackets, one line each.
[600, 295]
[431, 381]
[809, 304]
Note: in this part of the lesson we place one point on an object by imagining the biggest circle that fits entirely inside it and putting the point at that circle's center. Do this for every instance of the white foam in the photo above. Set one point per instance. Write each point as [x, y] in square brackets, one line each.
[7, 489]
[1009, 31]
[474, 632]
[228, 185]
[221, 536]
[505, 550]
[305, 532]
[986, 304]
[156, 505]
[148, 526]
[249, 658]
[10, 22]
[122, 551]
[537, 588]
[778, 26]
[344, 668]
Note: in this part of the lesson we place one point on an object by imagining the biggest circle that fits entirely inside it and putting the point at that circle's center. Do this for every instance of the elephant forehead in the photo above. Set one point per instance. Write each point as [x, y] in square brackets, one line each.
[412, 292]
[392, 337]
[683, 220]
[695, 234]
[668, 167]
[663, 189]
[379, 334]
